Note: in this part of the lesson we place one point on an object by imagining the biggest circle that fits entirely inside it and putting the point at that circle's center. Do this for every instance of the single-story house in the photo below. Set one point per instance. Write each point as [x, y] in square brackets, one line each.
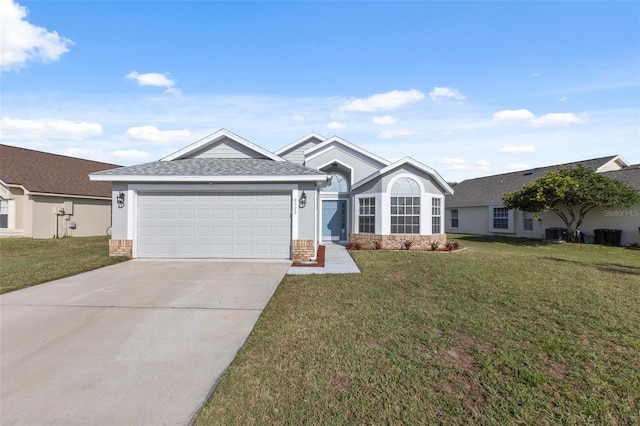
[226, 197]
[476, 207]
[46, 195]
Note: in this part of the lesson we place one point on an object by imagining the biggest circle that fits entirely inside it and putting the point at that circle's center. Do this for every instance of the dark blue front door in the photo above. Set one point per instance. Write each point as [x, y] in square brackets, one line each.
[334, 220]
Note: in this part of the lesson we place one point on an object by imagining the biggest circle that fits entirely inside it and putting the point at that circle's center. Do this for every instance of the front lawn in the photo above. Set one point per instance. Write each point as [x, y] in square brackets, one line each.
[25, 262]
[504, 332]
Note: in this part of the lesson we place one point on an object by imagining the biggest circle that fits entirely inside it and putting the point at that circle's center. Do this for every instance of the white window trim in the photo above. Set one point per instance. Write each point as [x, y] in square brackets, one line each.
[425, 216]
[509, 228]
[532, 222]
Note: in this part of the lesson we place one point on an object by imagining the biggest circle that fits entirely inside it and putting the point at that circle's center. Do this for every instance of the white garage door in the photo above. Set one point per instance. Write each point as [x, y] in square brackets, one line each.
[214, 225]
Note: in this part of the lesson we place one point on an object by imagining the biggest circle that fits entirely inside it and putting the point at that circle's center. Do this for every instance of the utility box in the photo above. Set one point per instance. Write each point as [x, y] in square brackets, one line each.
[556, 235]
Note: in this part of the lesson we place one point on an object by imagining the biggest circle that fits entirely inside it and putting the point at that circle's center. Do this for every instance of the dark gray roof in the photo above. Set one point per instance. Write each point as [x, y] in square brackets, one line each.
[629, 175]
[214, 167]
[489, 190]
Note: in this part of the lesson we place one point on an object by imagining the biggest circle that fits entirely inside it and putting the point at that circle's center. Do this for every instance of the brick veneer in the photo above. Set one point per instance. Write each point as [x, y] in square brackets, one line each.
[396, 241]
[121, 248]
[302, 250]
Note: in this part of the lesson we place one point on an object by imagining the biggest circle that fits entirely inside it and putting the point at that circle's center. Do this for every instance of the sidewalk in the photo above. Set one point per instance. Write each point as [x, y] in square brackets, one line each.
[337, 261]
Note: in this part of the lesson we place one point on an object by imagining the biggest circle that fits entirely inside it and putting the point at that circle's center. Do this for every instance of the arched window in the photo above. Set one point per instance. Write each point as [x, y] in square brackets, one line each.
[405, 207]
[338, 184]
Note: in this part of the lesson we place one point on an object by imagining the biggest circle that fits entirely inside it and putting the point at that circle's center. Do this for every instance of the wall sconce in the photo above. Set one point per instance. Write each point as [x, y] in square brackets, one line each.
[303, 200]
[120, 200]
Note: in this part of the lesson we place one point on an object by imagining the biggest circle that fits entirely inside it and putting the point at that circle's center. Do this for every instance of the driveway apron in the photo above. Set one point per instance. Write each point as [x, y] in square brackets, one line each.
[138, 343]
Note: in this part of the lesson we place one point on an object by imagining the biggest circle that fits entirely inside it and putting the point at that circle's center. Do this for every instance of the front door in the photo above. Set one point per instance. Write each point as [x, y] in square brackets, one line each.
[334, 220]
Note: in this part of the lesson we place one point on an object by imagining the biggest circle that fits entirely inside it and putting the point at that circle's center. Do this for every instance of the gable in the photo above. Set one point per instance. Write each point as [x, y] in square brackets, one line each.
[294, 152]
[225, 148]
[361, 166]
[222, 144]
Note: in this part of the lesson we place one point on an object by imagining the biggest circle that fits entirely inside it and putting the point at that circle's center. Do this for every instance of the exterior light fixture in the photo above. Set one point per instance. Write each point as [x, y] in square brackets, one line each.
[303, 200]
[120, 200]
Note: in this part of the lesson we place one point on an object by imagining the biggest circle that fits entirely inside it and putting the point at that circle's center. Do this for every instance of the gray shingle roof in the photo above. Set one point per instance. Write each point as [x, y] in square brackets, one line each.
[629, 175]
[215, 167]
[490, 189]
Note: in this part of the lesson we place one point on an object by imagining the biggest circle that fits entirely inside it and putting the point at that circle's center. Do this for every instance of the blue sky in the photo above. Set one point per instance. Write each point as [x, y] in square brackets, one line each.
[468, 88]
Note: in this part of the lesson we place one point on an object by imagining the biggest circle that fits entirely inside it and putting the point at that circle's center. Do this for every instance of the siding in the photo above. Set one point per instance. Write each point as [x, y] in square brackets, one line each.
[226, 148]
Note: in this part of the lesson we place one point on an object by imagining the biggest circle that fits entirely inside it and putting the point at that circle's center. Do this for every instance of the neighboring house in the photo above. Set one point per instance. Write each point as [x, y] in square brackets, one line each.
[225, 197]
[476, 207]
[46, 195]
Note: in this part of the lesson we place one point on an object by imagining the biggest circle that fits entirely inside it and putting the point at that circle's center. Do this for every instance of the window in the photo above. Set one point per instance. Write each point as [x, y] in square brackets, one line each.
[435, 215]
[4, 214]
[454, 218]
[367, 216]
[527, 221]
[405, 207]
[338, 184]
[500, 218]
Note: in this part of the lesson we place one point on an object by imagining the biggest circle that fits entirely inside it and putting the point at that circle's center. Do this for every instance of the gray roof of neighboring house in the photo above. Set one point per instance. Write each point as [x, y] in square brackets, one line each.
[214, 167]
[629, 175]
[489, 190]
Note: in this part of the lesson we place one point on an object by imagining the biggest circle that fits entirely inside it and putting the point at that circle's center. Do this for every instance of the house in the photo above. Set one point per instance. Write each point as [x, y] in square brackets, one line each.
[476, 207]
[225, 197]
[46, 195]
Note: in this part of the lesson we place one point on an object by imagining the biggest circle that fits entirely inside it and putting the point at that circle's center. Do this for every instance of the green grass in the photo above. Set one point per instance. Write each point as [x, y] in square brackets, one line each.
[25, 262]
[506, 331]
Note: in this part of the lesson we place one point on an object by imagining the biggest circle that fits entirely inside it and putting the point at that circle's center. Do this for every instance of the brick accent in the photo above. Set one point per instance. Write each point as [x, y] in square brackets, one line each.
[302, 250]
[396, 241]
[121, 248]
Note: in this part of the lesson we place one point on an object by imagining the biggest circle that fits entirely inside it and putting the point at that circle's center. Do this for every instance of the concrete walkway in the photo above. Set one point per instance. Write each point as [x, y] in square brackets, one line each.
[337, 261]
[138, 343]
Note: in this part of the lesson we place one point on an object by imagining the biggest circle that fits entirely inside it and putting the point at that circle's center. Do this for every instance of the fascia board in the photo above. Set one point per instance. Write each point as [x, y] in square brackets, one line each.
[319, 149]
[616, 159]
[49, 194]
[300, 141]
[212, 138]
[181, 178]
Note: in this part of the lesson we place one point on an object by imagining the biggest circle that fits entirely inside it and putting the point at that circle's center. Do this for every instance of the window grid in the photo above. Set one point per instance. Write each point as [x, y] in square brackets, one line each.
[435, 213]
[405, 215]
[454, 218]
[527, 221]
[367, 216]
[500, 218]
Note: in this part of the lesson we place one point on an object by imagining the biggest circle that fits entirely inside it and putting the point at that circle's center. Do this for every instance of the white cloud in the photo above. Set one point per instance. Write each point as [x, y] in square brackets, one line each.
[513, 115]
[151, 134]
[19, 129]
[23, 41]
[559, 119]
[384, 101]
[536, 74]
[551, 119]
[483, 163]
[390, 134]
[563, 99]
[519, 148]
[132, 156]
[384, 120]
[446, 93]
[155, 79]
[335, 125]
[298, 117]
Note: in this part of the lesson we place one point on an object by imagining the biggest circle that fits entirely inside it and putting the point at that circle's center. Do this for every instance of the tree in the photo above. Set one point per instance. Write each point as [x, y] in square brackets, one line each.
[571, 194]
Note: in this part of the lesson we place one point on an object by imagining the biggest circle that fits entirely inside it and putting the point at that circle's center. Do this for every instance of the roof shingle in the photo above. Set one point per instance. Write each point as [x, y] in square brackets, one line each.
[214, 167]
[489, 190]
[49, 173]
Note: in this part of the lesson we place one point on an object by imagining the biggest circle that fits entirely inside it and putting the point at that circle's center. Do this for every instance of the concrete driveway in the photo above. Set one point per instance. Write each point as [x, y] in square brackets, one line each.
[137, 343]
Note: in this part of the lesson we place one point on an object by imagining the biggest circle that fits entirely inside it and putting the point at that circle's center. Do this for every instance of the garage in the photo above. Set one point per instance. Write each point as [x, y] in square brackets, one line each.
[229, 225]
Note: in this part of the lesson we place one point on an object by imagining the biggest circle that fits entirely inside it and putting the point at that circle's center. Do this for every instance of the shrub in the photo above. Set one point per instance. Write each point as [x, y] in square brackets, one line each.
[377, 245]
[406, 245]
[435, 245]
